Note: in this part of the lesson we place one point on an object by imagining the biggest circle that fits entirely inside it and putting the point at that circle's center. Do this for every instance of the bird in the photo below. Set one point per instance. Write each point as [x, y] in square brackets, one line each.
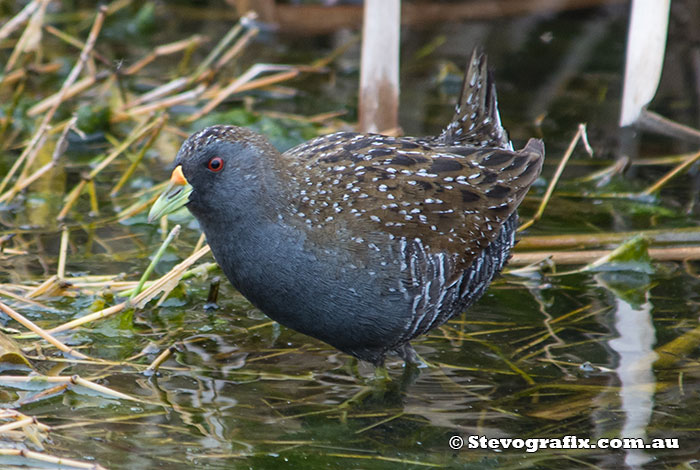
[363, 241]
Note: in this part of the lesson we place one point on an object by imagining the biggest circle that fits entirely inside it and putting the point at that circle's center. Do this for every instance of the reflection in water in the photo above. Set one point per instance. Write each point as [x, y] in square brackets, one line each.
[635, 348]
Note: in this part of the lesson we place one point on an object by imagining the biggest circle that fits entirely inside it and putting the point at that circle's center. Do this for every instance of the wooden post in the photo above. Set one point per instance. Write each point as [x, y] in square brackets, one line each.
[379, 74]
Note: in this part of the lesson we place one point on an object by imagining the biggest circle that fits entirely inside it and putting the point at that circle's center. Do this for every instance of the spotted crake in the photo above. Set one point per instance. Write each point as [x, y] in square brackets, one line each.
[363, 241]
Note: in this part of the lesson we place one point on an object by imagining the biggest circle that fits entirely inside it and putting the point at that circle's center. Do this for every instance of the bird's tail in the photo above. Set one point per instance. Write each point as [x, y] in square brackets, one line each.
[476, 120]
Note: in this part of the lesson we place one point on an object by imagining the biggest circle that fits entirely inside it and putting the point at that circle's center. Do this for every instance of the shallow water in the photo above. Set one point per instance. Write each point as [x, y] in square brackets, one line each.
[607, 353]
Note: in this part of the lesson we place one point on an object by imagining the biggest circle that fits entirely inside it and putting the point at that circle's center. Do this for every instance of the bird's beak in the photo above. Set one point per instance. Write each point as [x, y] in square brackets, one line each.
[175, 195]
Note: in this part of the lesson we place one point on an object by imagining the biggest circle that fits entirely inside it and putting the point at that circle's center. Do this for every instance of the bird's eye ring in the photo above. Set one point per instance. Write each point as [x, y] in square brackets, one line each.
[215, 164]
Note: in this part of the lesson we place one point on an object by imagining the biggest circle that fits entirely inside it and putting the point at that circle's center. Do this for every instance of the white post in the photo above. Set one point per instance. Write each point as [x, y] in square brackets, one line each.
[379, 73]
[646, 46]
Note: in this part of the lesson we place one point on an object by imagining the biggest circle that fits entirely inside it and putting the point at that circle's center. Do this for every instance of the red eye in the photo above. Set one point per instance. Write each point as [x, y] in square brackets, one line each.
[215, 164]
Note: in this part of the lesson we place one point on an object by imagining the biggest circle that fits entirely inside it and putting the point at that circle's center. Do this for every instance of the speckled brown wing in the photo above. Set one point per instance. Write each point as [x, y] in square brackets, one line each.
[453, 198]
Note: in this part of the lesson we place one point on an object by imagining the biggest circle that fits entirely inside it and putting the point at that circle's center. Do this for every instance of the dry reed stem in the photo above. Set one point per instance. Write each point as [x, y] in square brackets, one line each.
[34, 378]
[171, 277]
[137, 207]
[315, 119]
[24, 182]
[78, 189]
[30, 38]
[588, 256]
[109, 284]
[200, 243]
[78, 67]
[157, 93]
[24, 300]
[202, 70]
[62, 254]
[60, 147]
[30, 325]
[139, 157]
[75, 42]
[659, 236]
[168, 102]
[74, 379]
[71, 199]
[285, 73]
[167, 282]
[671, 174]
[236, 48]
[162, 357]
[165, 49]
[10, 27]
[30, 454]
[92, 193]
[99, 422]
[102, 389]
[20, 185]
[45, 286]
[6, 413]
[8, 141]
[71, 92]
[381, 422]
[104, 313]
[46, 393]
[382, 458]
[27, 154]
[580, 135]
[32, 149]
[14, 251]
[17, 75]
[17, 424]
[136, 135]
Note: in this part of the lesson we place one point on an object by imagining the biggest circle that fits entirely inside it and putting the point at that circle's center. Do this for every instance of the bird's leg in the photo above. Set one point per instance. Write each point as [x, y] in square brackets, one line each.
[352, 367]
[411, 357]
[375, 387]
[411, 372]
[379, 378]
[381, 374]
